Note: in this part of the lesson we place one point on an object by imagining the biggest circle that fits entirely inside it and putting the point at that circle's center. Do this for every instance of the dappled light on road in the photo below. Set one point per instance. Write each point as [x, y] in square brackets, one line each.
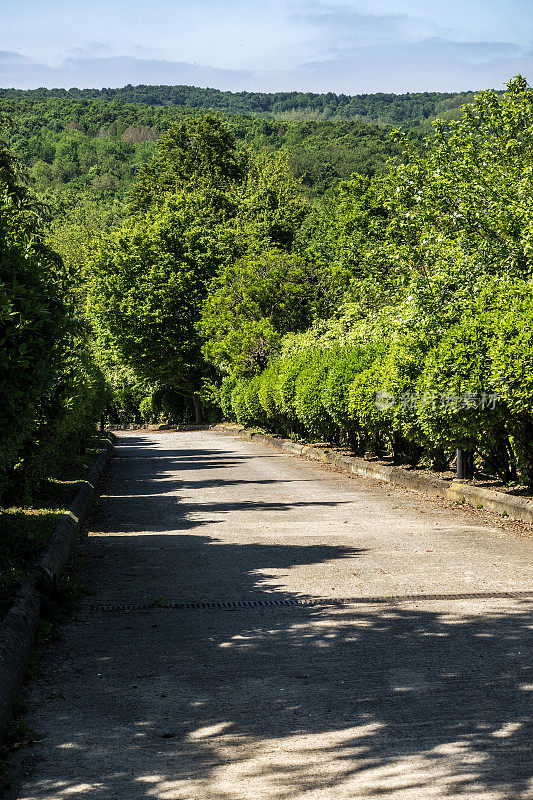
[409, 700]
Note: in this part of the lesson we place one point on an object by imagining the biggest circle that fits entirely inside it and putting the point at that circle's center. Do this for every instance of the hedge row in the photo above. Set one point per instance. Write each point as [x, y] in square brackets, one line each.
[415, 396]
[51, 392]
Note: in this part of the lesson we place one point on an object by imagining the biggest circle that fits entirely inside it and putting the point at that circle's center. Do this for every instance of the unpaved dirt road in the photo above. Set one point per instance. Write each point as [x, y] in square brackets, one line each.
[410, 700]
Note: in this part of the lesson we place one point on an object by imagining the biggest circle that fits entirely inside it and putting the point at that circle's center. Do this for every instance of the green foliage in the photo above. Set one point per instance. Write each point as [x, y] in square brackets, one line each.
[252, 303]
[396, 109]
[226, 389]
[268, 395]
[252, 402]
[33, 317]
[52, 390]
[202, 207]
[200, 151]
[347, 236]
[163, 405]
[149, 280]
[375, 316]
[271, 208]
[455, 374]
[511, 345]
[68, 417]
[308, 405]
[95, 149]
[146, 409]
[345, 364]
[471, 185]
[289, 370]
[238, 402]
[125, 389]
[362, 405]
[511, 359]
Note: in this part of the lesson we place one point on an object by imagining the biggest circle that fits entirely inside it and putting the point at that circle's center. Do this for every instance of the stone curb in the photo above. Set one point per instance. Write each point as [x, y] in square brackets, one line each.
[517, 508]
[19, 627]
[201, 426]
[56, 551]
[17, 635]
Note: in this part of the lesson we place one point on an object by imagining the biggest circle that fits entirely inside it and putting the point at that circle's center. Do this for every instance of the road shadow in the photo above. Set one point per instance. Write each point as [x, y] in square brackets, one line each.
[398, 701]
[394, 702]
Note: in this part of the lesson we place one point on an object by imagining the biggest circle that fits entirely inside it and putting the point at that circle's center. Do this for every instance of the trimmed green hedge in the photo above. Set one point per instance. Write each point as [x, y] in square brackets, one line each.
[472, 389]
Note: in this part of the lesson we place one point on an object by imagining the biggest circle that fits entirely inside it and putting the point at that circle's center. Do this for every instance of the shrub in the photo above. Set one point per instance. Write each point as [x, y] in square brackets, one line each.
[289, 369]
[450, 388]
[67, 420]
[238, 402]
[308, 404]
[345, 364]
[267, 391]
[252, 402]
[373, 420]
[511, 355]
[146, 409]
[226, 388]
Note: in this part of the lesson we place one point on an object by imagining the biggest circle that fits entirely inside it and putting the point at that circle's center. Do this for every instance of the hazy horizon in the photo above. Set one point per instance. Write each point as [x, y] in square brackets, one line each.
[349, 47]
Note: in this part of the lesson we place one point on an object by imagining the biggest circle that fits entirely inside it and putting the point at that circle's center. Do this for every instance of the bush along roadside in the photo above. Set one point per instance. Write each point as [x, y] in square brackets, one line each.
[420, 342]
[410, 389]
[26, 528]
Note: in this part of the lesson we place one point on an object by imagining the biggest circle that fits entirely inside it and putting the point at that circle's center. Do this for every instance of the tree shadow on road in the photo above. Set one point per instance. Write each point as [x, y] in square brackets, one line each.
[396, 702]
[403, 701]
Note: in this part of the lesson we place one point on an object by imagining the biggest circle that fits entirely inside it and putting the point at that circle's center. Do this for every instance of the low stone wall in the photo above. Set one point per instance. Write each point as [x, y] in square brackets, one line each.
[518, 508]
[19, 627]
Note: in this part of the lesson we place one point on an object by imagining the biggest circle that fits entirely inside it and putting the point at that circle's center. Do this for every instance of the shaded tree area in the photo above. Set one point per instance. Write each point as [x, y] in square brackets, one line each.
[198, 206]
[52, 391]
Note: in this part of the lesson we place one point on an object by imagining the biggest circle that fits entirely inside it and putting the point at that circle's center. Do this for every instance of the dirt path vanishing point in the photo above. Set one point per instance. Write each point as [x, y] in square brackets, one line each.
[410, 700]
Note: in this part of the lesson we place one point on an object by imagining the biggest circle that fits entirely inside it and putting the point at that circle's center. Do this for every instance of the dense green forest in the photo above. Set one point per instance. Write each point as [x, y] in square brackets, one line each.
[162, 264]
[97, 147]
[384, 109]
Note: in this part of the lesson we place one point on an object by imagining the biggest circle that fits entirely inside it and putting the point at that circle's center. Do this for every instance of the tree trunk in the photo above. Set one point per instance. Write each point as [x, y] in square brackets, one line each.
[197, 408]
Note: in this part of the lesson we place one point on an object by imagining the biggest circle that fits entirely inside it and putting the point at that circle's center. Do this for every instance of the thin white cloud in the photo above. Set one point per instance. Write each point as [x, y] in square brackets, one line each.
[10, 57]
[344, 27]
[91, 50]
[432, 64]
[429, 65]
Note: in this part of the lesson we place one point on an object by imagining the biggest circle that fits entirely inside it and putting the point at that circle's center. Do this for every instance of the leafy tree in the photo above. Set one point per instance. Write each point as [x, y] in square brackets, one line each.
[200, 151]
[149, 281]
[471, 186]
[252, 303]
[32, 314]
[271, 206]
[348, 236]
[52, 391]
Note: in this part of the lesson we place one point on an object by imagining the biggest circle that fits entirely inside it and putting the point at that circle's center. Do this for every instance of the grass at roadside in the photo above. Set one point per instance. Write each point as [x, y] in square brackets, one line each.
[25, 529]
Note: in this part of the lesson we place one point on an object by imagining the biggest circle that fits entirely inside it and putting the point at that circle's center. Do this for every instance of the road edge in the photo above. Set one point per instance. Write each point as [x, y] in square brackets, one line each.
[516, 508]
[18, 629]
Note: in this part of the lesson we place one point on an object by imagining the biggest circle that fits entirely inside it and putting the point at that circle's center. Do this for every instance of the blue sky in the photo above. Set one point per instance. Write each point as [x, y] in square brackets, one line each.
[346, 46]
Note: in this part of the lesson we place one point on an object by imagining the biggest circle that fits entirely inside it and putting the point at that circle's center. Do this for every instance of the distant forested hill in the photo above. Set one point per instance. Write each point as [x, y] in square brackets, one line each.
[72, 143]
[383, 109]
